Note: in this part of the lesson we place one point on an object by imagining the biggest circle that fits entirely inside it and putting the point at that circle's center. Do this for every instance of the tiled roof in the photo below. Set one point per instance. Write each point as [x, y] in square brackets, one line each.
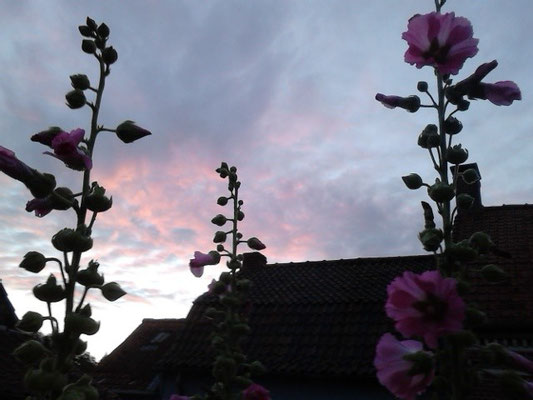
[509, 305]
[312, 318]
[323, 318]
[130, 366]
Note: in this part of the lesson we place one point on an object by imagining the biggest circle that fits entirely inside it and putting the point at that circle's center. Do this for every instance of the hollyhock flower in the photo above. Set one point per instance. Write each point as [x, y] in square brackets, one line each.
[46, 137]
[178, 397]
[443, 41]
[501, 93]
[200, 260]
[40, 185]
[66, 149]
[397, 369]
[255, 392]
[426, 305]
[411, 103]
[40, 206]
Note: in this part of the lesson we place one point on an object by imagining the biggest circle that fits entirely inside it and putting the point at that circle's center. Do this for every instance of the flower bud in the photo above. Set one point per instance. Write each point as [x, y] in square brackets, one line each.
[452, 126]
[100, 42]
[90, 276]
[50, 292]
[91, 24]
[222, 201]
[481, 242]
[67, 240]
[75, 99]
[255, 244]
[79, 324]
[240, 215]
[220, 237]
[441, 192]
[30, 322]
[220, 248]
[464, 201]
[429, 137]
[462, 251]
[463, 105]
[88, 46]
[422, 86]
[80, 82]
[33, 261]
[412, 181]
[112, 291]
[470, 176]
[109, 55]
[128, 132]
[96, 201]
[219, 220]
[80, 347]
[30, 352]
[103, 30]
[456, 154]
[62, 198]
[493, 273]
[85, 31]
[431, 238]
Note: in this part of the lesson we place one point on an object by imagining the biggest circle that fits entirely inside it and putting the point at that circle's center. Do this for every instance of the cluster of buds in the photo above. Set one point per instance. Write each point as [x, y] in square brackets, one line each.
[231, 369]
[49, 360]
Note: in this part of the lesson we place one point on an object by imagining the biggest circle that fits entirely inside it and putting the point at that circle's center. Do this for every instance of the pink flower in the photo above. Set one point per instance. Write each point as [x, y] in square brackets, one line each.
[40, 206]
[40, 185]
[411, 103]
[255, 392]
[399, 374]
[443, 41]
[426, 305]
[66, 149]
[500, 93]
[200, 260]
[178, 397]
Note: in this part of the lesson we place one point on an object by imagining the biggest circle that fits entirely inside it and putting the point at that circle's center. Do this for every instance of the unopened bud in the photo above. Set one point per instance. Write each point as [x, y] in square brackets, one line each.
[255, 244]
[219, 220]
[222, 201]
[462, 251]
[470, 176]
[464, 201]
[456, 154]
[441, 192]
[30, 352]
[422, 86]
[431, 238]
[452, 126]
[109, 55]
[50, 292]
[103, 30]
[33, 261]
[96, 200]
[85, 31]
[412, 181]
[112, 291]
[75, 99]
[30, 322]
[220, 237]
[80, 82]
[88, 46]
[481, 242]
[128, 132]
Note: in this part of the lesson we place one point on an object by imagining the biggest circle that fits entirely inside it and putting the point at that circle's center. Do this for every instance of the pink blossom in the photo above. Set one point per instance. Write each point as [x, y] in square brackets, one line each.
[426, 305]
[178, 397]
[500, 93]
[40, 185]
[411, 103]
[443, 41]
[66, 149]
[40, 206]
[395, 372]
[200, 260]
[255, 392]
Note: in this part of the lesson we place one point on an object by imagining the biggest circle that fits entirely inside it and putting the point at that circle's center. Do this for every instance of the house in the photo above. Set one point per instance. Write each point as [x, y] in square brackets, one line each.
[315, 324]
[11, 370]
[127, 372]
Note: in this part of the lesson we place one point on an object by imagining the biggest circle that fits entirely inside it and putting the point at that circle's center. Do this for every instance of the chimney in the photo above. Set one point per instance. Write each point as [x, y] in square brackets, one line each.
[474, 189]
[253, 260]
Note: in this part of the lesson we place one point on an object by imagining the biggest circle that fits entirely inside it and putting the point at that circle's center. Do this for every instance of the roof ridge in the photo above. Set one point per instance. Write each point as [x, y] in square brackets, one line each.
[351, 260]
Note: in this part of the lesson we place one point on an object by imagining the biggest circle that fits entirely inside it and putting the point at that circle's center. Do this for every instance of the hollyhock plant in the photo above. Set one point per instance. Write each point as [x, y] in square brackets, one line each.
[443, 41]
[397, 369]
[66, 149]
[425, 305]
[255, 392]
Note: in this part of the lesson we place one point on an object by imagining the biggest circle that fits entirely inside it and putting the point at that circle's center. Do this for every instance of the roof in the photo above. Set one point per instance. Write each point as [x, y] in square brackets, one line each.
[8, 317]
[310, 318]
[130, 366]
[323, 318]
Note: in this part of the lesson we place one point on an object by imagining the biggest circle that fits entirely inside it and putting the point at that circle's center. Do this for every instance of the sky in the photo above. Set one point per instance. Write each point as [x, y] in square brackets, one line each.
[283, 90]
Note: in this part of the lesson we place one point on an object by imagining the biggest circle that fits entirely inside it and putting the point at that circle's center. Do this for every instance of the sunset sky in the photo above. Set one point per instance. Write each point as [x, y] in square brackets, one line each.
[282, 89]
